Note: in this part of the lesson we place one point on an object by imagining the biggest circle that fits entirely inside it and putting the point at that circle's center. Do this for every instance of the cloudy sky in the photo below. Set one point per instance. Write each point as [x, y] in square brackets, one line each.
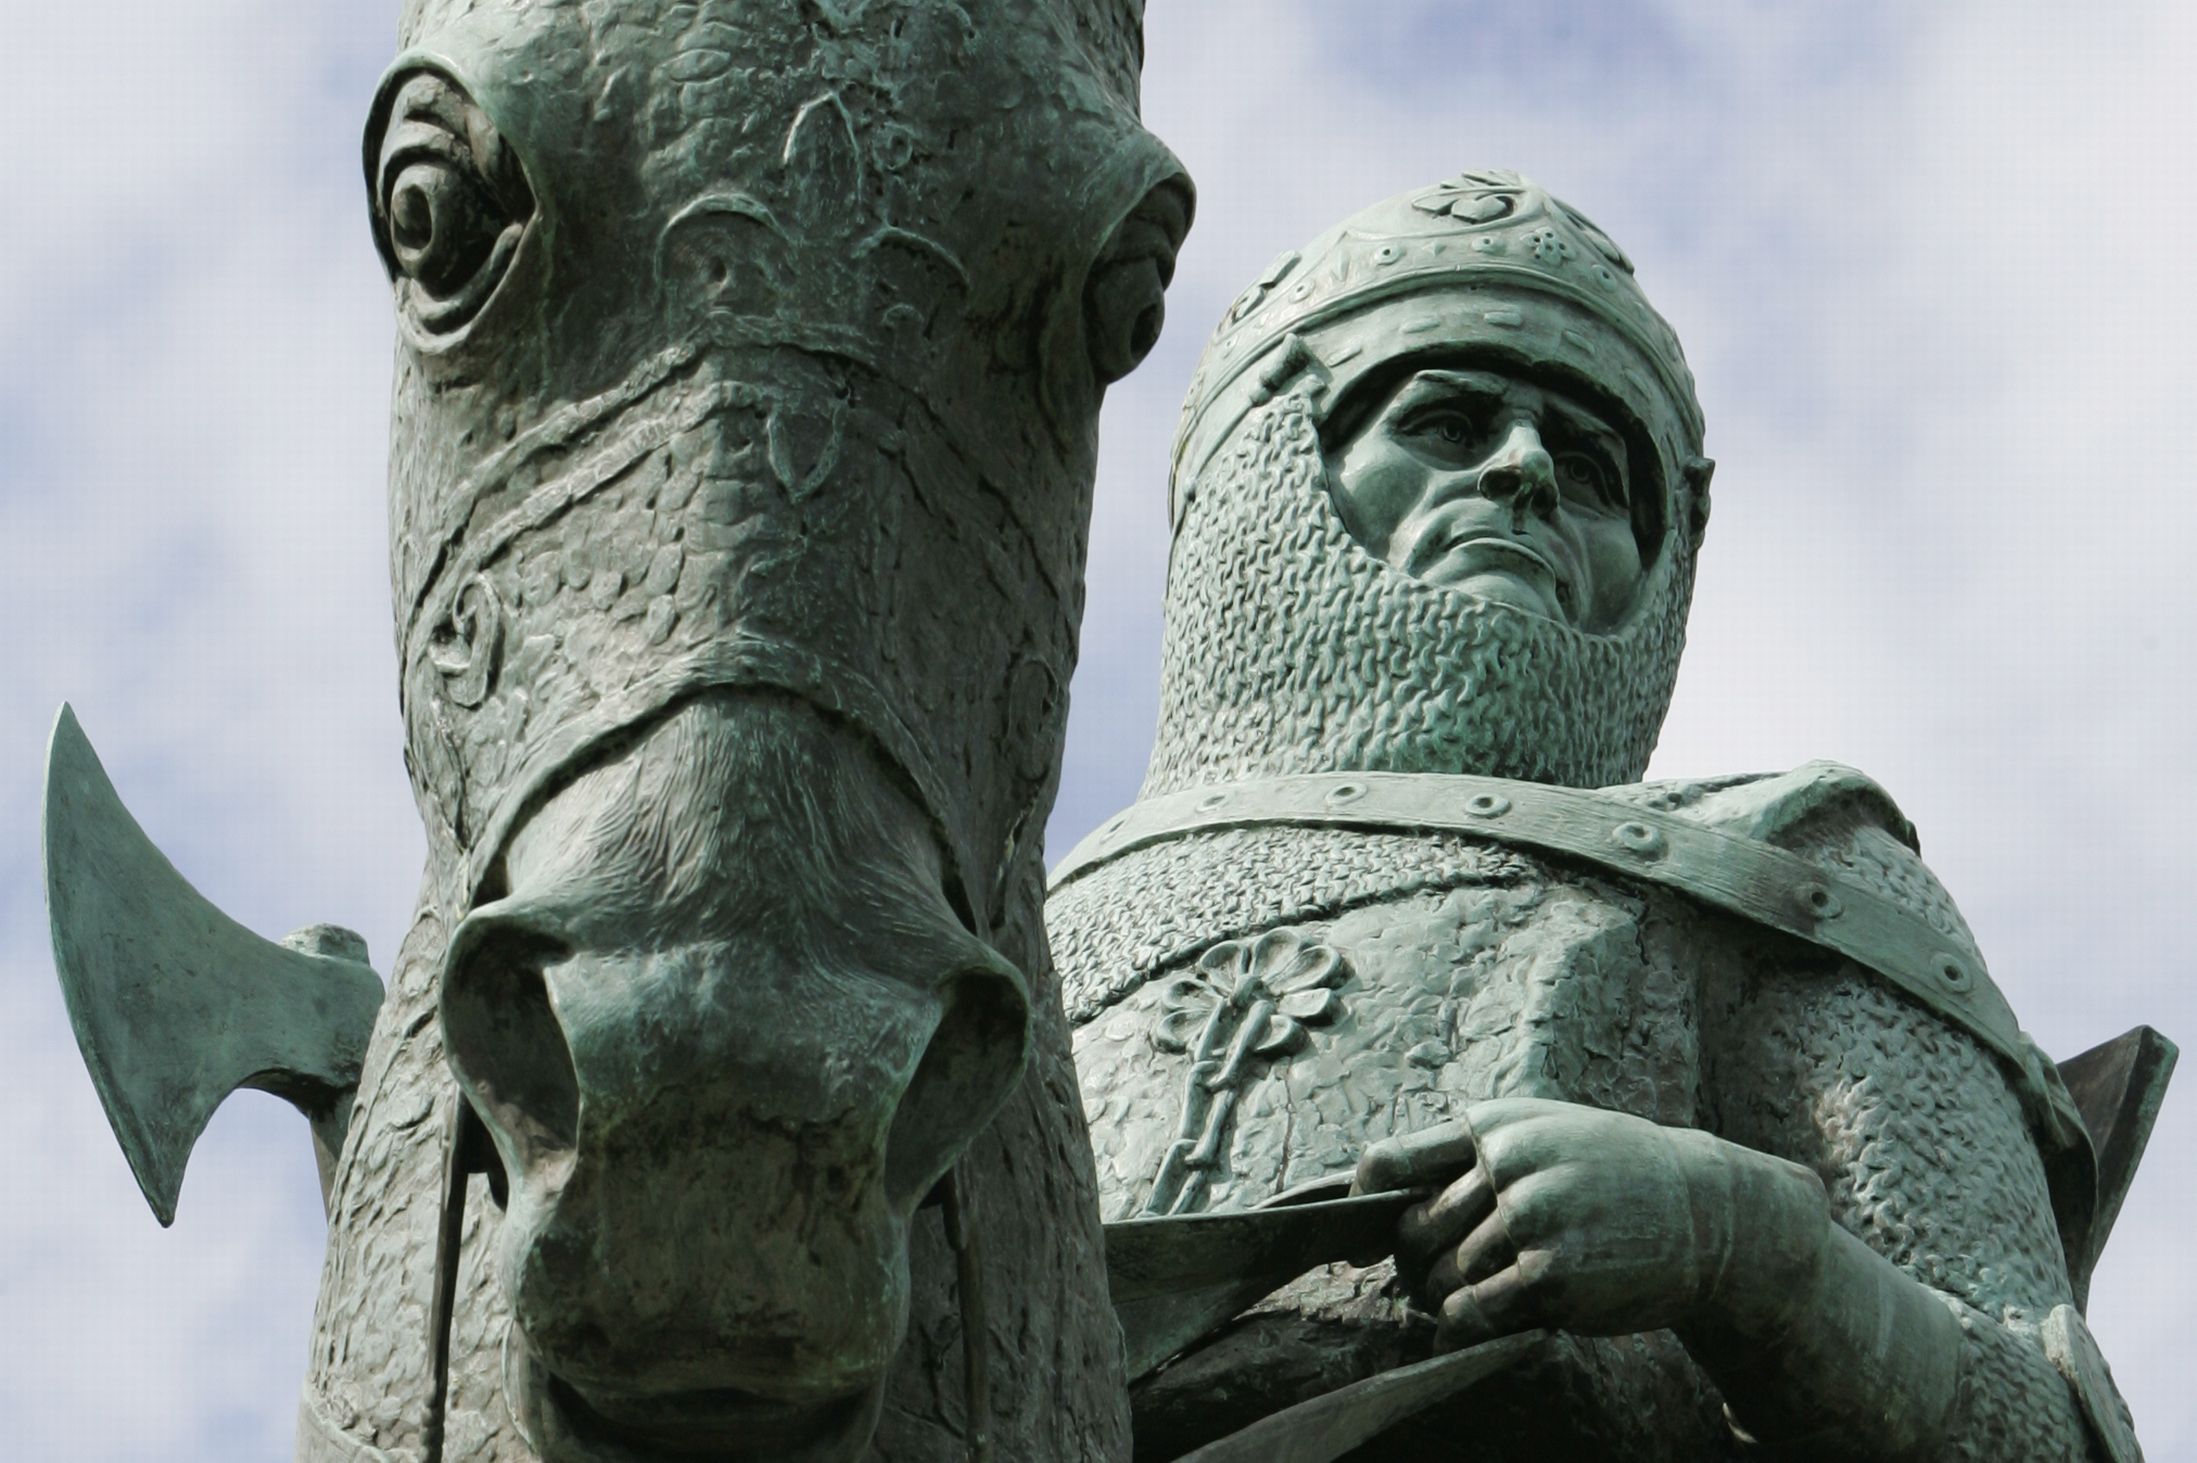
[1929, 263]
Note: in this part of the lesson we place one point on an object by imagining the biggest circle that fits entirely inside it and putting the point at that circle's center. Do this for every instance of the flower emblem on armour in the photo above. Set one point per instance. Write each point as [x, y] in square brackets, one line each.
[1248, 1002]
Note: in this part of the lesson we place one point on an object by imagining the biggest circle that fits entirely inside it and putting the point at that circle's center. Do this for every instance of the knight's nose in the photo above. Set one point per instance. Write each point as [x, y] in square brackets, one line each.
[1521, 473]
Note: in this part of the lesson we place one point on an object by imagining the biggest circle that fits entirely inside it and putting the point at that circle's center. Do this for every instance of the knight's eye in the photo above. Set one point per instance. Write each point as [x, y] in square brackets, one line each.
[1585, 478]
[1451, 426]
[450, 207]
[443, 226]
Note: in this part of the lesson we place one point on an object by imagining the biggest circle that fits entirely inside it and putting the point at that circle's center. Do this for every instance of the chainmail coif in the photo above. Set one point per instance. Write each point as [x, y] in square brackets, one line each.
[1290, 648]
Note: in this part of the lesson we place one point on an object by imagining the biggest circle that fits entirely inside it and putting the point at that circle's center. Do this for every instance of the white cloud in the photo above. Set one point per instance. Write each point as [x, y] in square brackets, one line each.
[1927, 263]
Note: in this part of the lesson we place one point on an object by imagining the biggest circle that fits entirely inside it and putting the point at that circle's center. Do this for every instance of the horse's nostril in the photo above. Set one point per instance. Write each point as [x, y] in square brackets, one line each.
[973, 1058]
[508, 1048]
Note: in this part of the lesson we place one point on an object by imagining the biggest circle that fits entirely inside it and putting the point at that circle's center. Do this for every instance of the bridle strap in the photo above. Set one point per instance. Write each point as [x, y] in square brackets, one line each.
[976, 1329]
[1174, 1280]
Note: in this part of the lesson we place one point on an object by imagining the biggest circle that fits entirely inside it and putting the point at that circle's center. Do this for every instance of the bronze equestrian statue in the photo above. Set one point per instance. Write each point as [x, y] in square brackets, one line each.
[721, 1104]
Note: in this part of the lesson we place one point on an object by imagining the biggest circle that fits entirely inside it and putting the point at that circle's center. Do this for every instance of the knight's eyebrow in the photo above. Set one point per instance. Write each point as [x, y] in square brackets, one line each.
[1424, 384]
[1579, 419]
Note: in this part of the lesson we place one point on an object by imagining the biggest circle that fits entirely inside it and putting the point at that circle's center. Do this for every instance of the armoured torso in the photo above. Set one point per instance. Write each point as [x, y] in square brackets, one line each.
[1488, 973]
[1378, 982]
[1437, 501]
[1481, 972]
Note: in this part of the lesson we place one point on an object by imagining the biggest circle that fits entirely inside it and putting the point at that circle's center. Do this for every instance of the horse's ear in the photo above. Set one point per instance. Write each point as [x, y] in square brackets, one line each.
[417, 17]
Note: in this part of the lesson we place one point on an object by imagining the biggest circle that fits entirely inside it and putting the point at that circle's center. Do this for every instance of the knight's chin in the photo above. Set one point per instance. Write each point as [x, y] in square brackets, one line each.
[567, 1425]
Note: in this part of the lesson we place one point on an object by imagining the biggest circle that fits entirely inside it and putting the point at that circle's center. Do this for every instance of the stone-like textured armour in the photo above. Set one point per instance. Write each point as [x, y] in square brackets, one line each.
[1821, 1064]
[363, 1381]
[1259, 1004]
[1486, 972]
[1289, 647]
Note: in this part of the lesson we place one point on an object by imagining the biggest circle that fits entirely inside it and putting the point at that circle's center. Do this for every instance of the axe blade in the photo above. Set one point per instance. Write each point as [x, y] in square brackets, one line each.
[174, 1004]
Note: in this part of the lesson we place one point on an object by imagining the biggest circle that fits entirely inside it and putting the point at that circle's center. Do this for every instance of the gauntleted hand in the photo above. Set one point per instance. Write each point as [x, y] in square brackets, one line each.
[1596, 1222]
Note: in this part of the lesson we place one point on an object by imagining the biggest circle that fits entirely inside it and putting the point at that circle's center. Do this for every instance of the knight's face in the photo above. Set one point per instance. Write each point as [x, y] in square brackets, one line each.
[1500, 487]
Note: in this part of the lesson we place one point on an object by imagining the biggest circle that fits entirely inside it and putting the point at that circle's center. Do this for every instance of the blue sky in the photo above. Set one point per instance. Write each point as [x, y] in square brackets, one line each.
[1928, 263]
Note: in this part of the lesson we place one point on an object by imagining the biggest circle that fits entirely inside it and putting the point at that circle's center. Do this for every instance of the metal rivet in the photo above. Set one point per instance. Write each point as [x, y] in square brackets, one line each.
[1818, 902]
[1954, 973]
[1348, 792]
[1639, 839]
[1487, 805]
[1387, 254]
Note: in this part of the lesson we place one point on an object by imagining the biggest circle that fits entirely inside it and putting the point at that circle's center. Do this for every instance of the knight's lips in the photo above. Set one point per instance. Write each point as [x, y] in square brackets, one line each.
[1492, 547]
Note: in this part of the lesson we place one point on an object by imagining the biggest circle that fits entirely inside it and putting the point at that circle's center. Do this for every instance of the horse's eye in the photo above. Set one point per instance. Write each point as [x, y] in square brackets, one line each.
[443, 227]
[450, 207]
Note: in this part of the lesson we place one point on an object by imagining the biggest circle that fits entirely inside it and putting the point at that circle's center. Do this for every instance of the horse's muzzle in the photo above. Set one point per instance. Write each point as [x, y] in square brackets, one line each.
[726, 1030]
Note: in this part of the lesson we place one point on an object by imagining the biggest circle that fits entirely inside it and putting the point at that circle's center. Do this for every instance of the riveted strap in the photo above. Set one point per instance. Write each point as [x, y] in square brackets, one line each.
[1757, 881]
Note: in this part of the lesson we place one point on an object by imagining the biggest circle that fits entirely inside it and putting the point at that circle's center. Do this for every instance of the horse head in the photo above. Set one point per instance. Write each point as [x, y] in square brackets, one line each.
[745, 429]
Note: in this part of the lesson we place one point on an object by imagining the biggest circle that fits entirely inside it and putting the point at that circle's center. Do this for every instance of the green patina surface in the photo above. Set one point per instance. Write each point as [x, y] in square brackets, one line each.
[724, 1098]
[1708, 1077]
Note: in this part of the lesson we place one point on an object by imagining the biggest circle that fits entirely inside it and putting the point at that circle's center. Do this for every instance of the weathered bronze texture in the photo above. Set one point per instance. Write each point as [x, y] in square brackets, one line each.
[1707, 1078]
[741, 467]
[721, 1103]
[745, 425]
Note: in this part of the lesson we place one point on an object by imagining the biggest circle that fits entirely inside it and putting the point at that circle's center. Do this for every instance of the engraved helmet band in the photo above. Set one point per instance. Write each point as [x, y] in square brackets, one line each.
[1488, 263]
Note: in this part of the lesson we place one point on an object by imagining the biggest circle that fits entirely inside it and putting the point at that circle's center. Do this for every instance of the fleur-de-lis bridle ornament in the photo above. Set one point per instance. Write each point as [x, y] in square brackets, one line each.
[1246, 1004]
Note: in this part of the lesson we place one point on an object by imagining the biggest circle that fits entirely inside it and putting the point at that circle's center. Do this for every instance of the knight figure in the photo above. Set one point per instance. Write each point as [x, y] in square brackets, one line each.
[1705, 1077]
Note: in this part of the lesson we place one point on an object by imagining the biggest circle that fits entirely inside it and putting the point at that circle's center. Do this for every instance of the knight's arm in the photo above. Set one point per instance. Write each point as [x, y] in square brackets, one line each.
[1923, 1308]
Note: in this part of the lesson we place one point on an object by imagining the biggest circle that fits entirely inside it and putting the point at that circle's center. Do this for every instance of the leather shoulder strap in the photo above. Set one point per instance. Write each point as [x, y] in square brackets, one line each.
[1744, 876]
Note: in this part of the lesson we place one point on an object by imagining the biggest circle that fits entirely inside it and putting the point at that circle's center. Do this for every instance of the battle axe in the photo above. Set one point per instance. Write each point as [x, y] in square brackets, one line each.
[176, 1005]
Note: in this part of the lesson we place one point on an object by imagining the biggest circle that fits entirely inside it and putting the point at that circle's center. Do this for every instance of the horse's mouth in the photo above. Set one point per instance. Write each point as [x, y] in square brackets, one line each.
[568, 1426]
[717, 1423]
